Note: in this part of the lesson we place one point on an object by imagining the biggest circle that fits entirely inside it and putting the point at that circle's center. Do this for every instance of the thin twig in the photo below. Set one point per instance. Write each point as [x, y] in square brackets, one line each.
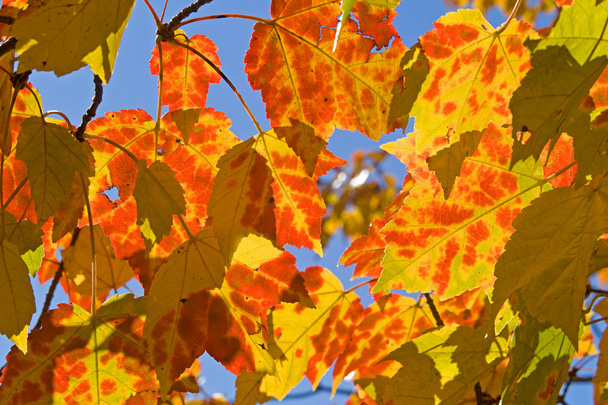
[54, 283]
[92, 110]
[433, 309]
[511, 17]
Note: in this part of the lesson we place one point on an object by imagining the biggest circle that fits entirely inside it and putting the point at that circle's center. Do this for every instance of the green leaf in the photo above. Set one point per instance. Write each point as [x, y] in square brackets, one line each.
[64, 35]
[549, 98]
[159, 196]
[547, 259]
[52, 156]
[16, 296]
[444, 363]
[539, 363]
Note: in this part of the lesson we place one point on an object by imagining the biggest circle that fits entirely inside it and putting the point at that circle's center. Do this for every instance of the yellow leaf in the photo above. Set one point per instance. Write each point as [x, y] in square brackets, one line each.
[65, 35]
[112, 273]
[16, 296]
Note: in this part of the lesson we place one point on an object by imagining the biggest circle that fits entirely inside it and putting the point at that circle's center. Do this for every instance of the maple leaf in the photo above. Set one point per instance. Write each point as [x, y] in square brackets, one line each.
[290, 60]
[112, 273]
[555, 101]
[549, 253]
[385, 325]
[53, 158]
[451, 246]
[250, 169]
[159, 196]
[50, 35]
[467, 62]
[446, 363]
[76, 358]
[186, 77]
[306, 341]
[17, 296]
[538, 365]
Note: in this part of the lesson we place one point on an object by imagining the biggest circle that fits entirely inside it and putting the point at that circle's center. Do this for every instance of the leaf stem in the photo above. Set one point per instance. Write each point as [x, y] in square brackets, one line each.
[159, 105]
[14, 193]
[92, 110]
[599, 295]
[93, 255]
[220, 16]
[433, 309]
[596, 320]
[218, 70]
[503, 27]
[156, 19]
[186, 228]
[115, 144]
[62, 115]
[557, 173]
[360, 285]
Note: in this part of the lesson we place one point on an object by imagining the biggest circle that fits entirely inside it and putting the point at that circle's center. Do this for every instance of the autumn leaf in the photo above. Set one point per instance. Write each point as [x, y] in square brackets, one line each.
[541, 356]
[16, 296]
[445, 363]
[467, 61]
[291, 61]
[50, 36]
[450, 246]
[306, 341]
[112, 273]
[53, 158]
[186, 77]
[549, 98]
[385, 325]
[75, 357]
[159, 196]
[548, 255]
[247, 171]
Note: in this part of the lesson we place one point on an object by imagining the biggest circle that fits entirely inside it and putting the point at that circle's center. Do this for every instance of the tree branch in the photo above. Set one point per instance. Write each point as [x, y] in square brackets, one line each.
[166, 31]
[92, 110]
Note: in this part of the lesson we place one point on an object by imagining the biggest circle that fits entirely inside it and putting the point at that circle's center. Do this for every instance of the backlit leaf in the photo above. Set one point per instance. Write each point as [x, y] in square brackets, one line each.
[540, 359]
[53, 157]
[548, 255]
[445, 363]
[78, 359]
[306, 341]
[451, 246]
[16, 296]
[50, 35]
[159, 196]
[186, 77]
[549, 97]
[292, 63]
[468, 62]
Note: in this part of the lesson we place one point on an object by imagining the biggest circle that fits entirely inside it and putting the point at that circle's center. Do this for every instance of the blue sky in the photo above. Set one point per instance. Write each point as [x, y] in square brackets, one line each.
[132, 86]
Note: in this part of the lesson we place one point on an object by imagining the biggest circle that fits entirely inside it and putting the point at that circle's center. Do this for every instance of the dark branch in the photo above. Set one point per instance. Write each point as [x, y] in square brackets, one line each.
[90, 114]
[8, 20]
[8, 46]
[166, 32]
[54, 283]
[433, 309]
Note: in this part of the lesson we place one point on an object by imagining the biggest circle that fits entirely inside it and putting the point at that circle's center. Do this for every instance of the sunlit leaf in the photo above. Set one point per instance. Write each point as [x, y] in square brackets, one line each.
[450, 246]
[75, 357]
[50, 35]
[53, 157]
[548, 255]
[292, 63]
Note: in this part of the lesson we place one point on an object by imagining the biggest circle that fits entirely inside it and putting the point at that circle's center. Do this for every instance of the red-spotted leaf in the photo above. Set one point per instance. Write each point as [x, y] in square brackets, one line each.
[255, 176]
[186, 77]
[472, 69]
[451, 246]
[159, 196]
[384, 326]
[53, 158]
[292, 63]
[75, 358]
[306, 341]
